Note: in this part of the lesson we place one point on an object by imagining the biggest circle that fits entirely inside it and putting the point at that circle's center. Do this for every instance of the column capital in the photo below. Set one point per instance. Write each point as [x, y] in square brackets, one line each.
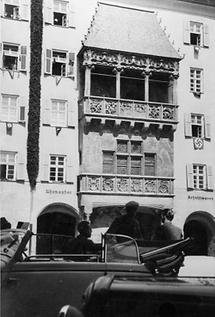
[146, 73]
[118, 69]
[174, 76]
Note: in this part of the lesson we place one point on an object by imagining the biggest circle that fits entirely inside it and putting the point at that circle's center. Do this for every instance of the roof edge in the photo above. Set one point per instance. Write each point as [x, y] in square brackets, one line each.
[125, 52]
[126, 6]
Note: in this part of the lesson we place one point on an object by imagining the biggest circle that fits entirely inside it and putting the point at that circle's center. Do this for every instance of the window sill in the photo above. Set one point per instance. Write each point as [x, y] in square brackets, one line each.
[60, 26]
[23, 123]
[57, 183]
[199, 190]
[22, 181]
[53, 126]
[18, 19]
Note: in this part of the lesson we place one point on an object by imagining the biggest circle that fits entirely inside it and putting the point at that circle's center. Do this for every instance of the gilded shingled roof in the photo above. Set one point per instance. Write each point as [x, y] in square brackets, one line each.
[129, 30]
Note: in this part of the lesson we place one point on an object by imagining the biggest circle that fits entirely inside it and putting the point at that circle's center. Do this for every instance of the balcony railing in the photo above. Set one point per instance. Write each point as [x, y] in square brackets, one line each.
[129, 109]
[126, 184]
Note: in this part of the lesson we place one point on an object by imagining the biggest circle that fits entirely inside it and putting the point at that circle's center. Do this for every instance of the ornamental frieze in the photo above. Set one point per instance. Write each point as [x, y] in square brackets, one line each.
[108, 184]
[143, 110]
[122, 61]
[115, 184]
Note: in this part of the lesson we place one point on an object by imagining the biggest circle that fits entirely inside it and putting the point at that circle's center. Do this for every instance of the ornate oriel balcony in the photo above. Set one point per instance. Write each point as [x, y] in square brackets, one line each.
[126, 184]
[104, 108]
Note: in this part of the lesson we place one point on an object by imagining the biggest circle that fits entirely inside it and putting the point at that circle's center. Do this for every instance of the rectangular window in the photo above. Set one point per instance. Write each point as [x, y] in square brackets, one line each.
[7, 165]
[128, 159]
[108, 162]
[196, 33]
[57, 168]
[136, 165]
[196, 80]
[60, 14]
[10, 56]
[11, 9]
[149, 164]
[122, 146]
[122, 164]
[59, 60]
[197, 125]
[199, 176]
[58, 113]
[9, 108]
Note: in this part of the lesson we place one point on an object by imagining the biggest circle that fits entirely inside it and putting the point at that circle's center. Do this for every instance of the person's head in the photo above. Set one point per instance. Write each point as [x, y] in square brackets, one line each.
[131, 208]
[169, 214]
[84, 229]
[4, 224]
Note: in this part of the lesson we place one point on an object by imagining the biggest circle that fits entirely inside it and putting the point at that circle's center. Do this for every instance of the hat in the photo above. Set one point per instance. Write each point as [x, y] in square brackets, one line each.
[131, 205]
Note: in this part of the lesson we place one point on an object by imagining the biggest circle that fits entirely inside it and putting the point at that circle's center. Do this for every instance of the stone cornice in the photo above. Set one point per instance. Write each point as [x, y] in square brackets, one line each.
[145, 64]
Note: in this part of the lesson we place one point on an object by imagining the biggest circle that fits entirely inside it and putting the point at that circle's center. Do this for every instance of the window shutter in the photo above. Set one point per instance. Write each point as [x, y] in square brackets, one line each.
[187, 125]
[70, 71]
[45, 171]
[187, 32]
[207, 128]
[190, 183]
[210, 182]
[69, 174]
[206, 35]
[22, 106]
[20, 167]
[1, 55]
[24, 10]
[202, 82]
[70, 115]
[71, 15]
[47, 113]
[48, 12]
[23, 58]
[48, 61]
[2, 8]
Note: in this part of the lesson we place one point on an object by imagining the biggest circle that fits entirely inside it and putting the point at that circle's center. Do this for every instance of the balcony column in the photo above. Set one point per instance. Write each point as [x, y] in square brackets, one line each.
[146, 75]
[118, 71]
[172, 89]
[87, 87]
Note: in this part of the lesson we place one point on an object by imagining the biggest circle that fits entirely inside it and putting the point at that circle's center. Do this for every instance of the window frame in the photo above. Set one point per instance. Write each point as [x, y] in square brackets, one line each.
[197, 177]
[197, 125]
[7, 153]
[57, 123]
[9, 118]
[61, 11]
[130, 157]
[154, 165]
[194, 31]
[194, 80]
[57, 166]
[15, 16]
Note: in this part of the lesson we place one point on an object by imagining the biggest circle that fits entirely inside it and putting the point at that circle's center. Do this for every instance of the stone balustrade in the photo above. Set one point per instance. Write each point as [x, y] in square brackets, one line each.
[129, 109]
[126, 184]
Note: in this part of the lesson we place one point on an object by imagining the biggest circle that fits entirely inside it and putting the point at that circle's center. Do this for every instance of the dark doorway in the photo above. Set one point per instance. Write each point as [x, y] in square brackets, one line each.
[198, 232]
[54, 228]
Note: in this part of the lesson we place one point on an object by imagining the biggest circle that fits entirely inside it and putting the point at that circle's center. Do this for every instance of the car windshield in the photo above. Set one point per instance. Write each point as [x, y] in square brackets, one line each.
[121, 249]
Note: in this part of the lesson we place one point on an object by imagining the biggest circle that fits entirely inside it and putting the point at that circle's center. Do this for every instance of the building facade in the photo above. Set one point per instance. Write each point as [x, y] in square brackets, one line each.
[52, 207]
[124, 128]
[125, 116]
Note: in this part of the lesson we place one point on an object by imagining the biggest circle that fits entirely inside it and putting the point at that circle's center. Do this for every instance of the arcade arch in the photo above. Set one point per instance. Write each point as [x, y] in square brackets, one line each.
[201, 226]
[55, 219]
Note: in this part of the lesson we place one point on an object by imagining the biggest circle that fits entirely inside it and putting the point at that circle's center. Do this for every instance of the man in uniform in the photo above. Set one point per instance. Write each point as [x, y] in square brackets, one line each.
[127, 224]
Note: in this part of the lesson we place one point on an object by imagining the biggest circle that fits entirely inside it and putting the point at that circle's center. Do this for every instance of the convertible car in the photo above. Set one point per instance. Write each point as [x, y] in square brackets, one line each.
[39, 284]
